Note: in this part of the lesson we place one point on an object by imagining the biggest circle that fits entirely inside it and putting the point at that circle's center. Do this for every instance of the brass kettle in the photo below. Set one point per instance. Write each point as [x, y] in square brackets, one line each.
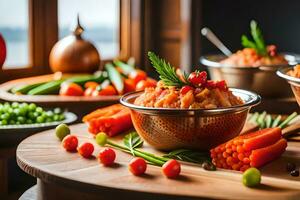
[73, 54]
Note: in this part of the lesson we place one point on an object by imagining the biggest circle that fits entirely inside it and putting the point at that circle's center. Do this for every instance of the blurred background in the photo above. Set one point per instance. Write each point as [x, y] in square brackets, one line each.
[123, 28]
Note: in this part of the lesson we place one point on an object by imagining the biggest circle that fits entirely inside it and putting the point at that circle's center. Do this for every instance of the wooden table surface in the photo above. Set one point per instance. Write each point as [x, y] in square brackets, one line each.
[64, 175]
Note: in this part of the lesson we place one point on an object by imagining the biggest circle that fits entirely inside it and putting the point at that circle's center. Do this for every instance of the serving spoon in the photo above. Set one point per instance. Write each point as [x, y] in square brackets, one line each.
[213, 39]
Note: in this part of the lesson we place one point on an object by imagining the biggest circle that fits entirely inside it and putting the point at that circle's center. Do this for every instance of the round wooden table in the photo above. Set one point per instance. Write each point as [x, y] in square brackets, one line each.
[64, 175]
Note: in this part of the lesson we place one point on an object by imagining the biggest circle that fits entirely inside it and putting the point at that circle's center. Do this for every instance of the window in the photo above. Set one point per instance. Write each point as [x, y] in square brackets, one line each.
[99, 18]
[32, 27]
[14, 20]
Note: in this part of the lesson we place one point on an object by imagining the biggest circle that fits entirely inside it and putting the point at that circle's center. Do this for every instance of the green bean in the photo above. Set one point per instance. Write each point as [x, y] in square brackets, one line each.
[276, 121]
[268, 121]
[288, 119]
[261, 119]
[254, 117]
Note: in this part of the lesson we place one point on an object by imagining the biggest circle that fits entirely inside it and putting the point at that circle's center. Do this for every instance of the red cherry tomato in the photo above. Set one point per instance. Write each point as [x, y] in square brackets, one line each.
[171, 169]
[2, 50]
[88, 91]
[129, 85]
[144, 84]
[107, 156]
[210, 84]
[198, 78]
[185, 89]
[137, 75]
[71, 89]
[137, 166]
[70, 143]
[86, 149]
[222, 85]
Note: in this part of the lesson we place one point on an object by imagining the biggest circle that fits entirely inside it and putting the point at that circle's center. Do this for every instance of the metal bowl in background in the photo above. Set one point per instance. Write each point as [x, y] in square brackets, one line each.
[262, 80]
[168, 128]
[293, 81]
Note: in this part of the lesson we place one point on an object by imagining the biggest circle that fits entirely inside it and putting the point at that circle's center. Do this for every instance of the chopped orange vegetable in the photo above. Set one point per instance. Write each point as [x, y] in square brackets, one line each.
[250, 150]
[109, 110]
[112, 120]
[129, 85]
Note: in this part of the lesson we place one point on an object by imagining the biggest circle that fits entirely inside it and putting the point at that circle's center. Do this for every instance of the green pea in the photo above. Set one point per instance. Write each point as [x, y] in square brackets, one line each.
[31, 115]
[62, 131]
[251, 177]
[56, 118]
[5, 116]
[39, 109]
[57, 111]
[15, 104]
[29, 121]
[32, 107]
[3, 122]
[12, 122]
[40, 119]
[61, 117]
[21, 119]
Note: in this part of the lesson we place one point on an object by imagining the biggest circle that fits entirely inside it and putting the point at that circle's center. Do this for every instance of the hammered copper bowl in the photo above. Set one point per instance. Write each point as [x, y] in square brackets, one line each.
[251, 78]
[293, 81]
[168, 128]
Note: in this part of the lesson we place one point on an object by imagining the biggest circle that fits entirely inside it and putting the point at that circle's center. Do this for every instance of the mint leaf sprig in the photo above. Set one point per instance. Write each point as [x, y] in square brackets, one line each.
[258, 42]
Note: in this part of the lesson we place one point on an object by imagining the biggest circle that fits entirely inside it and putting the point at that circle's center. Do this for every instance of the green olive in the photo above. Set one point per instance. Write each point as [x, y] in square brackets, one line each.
[62, 131]
[251, 177]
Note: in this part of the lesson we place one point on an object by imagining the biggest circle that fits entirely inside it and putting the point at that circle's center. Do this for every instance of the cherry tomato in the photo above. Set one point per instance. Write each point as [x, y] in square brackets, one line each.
[91, 84]
[108, 90]
[107, 156]
[86, 149]
[144, 84]
[88, 91]
[71, 89]
[137, 75]
[70, 143]
[137, 166]
[185, 89]
[198, 78]
[210, 84]
[221, 85]
[171, 169]
[129, 85]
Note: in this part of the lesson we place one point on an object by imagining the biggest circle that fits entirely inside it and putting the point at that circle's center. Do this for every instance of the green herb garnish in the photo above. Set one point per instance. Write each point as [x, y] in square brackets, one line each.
[258, 44]
[166, 72]
[132, 141]
[188, 156]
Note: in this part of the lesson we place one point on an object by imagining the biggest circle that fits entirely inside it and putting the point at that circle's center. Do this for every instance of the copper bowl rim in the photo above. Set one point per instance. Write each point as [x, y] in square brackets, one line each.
[211, 61]
[282, 73]
[250, 98]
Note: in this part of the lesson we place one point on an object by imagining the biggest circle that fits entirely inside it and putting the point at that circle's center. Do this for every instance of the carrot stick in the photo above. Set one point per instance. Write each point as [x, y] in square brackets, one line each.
[106, 111]
[261, 156]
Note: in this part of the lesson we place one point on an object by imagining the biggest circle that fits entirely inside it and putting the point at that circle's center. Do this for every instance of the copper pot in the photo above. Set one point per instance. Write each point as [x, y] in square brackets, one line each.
[73, 54]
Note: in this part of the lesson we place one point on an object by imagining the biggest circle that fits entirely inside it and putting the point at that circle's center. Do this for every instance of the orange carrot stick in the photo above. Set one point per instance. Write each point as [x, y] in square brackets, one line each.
[261, 156]
[106, 111]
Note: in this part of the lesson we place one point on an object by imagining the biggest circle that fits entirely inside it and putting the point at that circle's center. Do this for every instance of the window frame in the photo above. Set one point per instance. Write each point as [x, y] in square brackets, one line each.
[43, 34]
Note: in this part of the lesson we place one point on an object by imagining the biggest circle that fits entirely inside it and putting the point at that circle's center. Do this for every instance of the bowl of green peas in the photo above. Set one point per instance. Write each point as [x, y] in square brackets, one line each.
[19, 120]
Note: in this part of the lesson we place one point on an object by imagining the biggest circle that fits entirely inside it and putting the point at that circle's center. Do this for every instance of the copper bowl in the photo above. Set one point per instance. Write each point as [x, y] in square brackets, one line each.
[168, 128]
[251, 78]
[293, 81]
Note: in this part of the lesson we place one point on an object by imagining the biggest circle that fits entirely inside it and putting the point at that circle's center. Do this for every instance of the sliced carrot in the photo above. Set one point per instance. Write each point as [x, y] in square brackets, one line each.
[262, 138]
[109, 110]
[261, 156]
[111, 124]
